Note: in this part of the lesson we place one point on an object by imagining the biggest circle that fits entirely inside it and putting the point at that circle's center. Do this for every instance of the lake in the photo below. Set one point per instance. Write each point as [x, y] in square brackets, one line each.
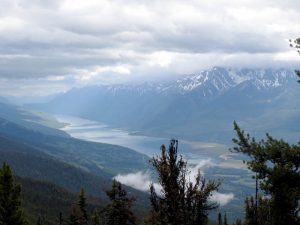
[99, 132]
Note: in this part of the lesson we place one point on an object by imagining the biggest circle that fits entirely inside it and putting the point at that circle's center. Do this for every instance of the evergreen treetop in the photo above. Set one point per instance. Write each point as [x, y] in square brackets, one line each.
[277, 165]
[181, 202]
[11, 212]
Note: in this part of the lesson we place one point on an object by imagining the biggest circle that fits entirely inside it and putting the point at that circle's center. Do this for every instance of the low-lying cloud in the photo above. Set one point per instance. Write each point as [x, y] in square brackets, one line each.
[221, 198]
[142, 180]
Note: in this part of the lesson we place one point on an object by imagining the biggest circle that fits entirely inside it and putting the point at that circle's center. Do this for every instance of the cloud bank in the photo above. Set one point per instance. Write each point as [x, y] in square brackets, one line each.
[67, 43]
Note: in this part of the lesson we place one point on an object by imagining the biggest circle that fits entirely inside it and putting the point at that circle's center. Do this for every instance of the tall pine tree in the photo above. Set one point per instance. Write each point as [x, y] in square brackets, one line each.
[225, 219]
[296, 44]
[277, 165]
[181, 201]
[10, 199]
[78, 214]
[82, 206]
[119, 210]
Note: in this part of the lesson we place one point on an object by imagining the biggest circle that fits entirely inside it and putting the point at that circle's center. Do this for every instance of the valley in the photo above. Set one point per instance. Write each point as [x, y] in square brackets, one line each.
[113, 131]
[213, 159]
[126, 112]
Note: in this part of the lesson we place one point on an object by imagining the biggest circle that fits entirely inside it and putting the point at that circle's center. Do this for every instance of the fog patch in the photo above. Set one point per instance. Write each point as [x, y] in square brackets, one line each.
[140, 180]
[221, 198]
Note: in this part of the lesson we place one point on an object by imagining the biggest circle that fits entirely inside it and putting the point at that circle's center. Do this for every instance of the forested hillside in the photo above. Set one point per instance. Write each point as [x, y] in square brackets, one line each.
[51, 174]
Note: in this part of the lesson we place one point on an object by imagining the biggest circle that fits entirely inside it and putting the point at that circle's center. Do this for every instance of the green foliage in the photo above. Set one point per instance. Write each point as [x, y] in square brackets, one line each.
[43, 167]
[47, 201]
[296, 44]
[225, 219]
[181, 202]
[10, 199]
[238, 222]
[40, 221]
[102, 159]
[276, 164]
[119, 210]
[75, 216]
[83, 206]
[96, 217]
[79, 214]
[257, 214]
[220, 219]
[250, 211]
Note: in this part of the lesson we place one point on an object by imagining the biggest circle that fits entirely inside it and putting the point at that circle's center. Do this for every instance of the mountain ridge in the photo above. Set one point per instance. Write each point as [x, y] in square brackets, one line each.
[179, 107]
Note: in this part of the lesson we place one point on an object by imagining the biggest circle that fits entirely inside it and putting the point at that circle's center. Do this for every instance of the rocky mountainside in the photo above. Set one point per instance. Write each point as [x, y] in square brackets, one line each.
[210, 82]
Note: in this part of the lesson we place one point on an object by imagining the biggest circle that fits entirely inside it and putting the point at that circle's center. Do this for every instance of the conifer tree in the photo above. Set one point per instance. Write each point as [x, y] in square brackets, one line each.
[40, 221]
[82, 206]
[75, 216]
[119, 210]
[277, 165]
[181, 201]
[220, 221]
[296, 44]
[238, 222]
[78, 214]
[96, 217]
[225, 219]
[257, 213]
[249, 211]
[10, 199]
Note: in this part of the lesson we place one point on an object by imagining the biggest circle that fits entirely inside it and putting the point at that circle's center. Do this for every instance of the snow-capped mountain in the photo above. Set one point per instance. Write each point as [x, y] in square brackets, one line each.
[202, 104]
[209, 83]
[223, 79]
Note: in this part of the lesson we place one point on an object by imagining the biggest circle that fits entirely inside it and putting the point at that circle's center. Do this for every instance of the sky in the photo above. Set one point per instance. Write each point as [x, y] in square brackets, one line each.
[49, 46]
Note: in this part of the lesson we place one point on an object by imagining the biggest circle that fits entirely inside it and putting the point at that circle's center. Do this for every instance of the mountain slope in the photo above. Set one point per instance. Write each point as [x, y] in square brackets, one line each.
[200, 106]
[47, 200]
[93, 157]
[27, 119]
[47, 177]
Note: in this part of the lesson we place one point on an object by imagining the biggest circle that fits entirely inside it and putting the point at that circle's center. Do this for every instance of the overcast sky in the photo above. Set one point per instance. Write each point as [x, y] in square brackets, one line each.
[48, 46]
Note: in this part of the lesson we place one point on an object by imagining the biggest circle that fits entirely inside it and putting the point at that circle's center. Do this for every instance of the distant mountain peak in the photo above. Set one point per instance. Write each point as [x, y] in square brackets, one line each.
[218, 79]
[204, 84]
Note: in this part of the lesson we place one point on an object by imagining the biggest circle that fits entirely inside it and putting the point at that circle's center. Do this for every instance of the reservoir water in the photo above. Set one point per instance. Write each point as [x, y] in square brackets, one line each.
[99, 132]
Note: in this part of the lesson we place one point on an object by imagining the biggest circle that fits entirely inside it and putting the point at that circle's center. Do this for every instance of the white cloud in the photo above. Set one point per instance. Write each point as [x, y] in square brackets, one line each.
[142, 181]
[142, 38]
[221, 198]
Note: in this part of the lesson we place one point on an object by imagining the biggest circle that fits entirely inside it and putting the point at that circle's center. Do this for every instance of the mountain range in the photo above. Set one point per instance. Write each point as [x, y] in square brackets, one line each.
[200, 106]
